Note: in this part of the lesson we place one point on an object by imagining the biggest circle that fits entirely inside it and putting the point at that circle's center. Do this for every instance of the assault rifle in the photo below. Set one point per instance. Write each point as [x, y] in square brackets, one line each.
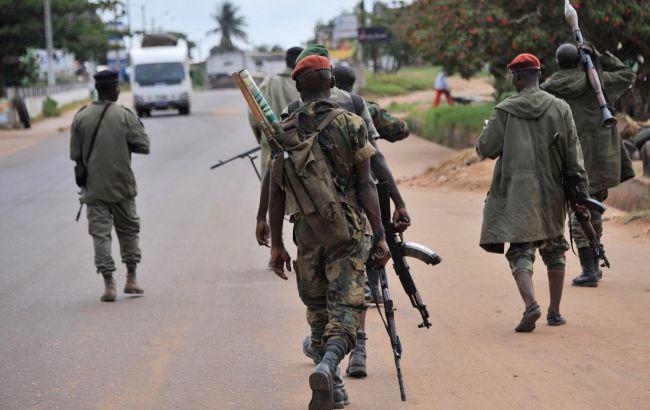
[571, 17]
[248, 154]
[569, 180]
[378, 280]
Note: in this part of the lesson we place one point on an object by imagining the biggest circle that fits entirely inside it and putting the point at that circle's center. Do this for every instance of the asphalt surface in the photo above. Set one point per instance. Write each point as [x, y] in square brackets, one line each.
[216, 329]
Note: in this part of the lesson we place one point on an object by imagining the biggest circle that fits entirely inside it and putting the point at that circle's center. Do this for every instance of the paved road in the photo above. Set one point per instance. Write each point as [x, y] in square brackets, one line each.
[215, 329]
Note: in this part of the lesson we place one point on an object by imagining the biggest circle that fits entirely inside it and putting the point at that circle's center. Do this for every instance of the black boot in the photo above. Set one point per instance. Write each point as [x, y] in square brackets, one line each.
[589, 263]
[357, 362]
[311, 351]
[340, 395]
[321, 380]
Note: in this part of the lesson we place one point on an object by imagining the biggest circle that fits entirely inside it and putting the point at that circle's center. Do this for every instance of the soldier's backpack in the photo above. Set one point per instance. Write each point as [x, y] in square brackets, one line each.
[301, 169]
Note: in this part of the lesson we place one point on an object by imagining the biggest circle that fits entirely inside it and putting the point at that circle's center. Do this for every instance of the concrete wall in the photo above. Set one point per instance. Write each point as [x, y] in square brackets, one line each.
[62, 94]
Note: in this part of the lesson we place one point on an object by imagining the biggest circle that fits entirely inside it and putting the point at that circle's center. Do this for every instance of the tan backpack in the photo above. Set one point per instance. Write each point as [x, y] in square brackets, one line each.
[301, 169]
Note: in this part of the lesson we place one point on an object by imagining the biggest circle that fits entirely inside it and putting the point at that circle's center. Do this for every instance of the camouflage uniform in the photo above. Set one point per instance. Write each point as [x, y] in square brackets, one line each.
[521, 256]
[388, 126]
[330, 281]
[110, 189]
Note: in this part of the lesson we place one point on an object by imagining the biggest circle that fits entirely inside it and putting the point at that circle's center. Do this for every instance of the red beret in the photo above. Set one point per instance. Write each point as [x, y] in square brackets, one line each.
[311, 63]
[525, 61]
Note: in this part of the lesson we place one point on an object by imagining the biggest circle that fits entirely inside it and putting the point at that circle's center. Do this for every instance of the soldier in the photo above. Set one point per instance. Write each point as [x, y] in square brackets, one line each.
[330, 277]
[526, 205]
[606, 159]
[103, 136]
[380, 169]
[388, 126]
[278, 90]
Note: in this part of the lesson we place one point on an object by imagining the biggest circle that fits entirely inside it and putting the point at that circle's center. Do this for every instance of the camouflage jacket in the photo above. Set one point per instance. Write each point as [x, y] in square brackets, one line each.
[344, 143]
[110, 177]
[388, 126]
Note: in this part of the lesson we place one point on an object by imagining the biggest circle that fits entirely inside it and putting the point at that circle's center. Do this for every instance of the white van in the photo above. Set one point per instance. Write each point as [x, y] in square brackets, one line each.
[160, 78]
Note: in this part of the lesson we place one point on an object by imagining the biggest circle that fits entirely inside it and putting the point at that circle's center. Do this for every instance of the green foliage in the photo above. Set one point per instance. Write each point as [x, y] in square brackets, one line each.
[197, 72]
[456, 125]
[50, 108]
[401, 82]
[230, 24]
[28, 69]
[464, 35]
[394, 107]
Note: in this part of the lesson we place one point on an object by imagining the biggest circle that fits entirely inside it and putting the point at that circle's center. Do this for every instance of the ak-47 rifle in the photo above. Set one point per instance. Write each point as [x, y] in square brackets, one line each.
[569, 180]
[248, 154]
[571, 16]
[379, 282]
[261, 111]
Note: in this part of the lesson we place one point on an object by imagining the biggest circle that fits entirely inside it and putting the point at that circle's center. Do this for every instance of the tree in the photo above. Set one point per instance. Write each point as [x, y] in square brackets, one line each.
[230, 25]
[76, 26]
[464, 35]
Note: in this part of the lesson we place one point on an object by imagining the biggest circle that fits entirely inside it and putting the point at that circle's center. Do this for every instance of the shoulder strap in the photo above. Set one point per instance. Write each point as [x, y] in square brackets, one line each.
[329, 118]
[92, 140]
[293, 107]
[357, 101]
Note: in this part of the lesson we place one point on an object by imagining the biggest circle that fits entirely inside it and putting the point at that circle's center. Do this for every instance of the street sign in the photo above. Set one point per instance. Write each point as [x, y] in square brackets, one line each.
[371, 35]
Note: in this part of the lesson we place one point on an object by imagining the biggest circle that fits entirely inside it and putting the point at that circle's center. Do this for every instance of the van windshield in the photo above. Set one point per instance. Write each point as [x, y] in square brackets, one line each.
[159, 73]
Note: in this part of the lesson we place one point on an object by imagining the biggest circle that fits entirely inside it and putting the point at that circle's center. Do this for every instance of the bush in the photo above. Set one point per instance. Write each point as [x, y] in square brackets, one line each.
[50, 108]
[456, 126]
[403, 81]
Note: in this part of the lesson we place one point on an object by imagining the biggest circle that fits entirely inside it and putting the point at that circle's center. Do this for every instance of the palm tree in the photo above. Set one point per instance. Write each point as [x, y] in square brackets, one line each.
[230, 25]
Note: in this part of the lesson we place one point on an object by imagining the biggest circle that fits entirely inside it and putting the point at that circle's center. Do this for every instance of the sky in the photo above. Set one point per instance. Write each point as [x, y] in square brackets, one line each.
[284, 22]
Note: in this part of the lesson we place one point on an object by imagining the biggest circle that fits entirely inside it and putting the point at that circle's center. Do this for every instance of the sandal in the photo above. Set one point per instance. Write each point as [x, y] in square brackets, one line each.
[555, 319]
[531, 315]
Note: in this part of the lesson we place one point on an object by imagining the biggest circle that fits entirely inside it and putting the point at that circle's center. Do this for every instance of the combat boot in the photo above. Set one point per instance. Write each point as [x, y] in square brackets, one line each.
[340, 395]
[131, 286]
[110, 292]
[589, 263]
[311, 351]
[321, 380]
[357, 363]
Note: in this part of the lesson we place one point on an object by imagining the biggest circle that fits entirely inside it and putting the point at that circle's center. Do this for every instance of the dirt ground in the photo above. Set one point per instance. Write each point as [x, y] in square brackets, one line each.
[472, 358]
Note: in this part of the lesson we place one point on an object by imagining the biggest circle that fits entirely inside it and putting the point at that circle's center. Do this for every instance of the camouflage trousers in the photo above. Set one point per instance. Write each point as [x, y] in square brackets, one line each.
[578, 233]
[521, 256]
[330, 283]
[101, 219]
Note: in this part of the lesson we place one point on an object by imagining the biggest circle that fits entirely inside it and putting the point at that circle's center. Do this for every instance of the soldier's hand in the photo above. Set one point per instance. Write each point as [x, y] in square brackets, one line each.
[401, 219]
[584, 211]
[262, 233]
[381, 253]
[279, 258]
[590, 49]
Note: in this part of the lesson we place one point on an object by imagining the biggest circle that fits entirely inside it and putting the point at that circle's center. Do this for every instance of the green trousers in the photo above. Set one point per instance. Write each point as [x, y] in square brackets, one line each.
[578, 233]
[101, 219]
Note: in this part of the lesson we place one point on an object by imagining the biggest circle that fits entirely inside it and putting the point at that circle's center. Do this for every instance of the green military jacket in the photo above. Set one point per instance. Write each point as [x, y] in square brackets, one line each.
[279, 91]
[526, 200]
[606, 159]
[388, 126]
[110, 177]
[344, 143]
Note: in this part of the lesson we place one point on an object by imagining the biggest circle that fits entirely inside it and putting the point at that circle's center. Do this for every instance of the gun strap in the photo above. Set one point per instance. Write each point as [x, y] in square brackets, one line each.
[94, 137]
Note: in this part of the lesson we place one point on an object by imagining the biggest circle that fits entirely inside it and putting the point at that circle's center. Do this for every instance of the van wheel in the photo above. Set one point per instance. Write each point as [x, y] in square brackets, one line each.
[140, 113]
[184, 110]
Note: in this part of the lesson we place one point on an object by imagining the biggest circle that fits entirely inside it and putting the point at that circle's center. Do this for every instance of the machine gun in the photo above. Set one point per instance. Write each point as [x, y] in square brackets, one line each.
[248, 154]
[569, 180]
[261, 111]
[379, 282]
[571, 17]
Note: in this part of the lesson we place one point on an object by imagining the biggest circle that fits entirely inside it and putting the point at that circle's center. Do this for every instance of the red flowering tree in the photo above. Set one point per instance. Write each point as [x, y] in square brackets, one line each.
[464, 35]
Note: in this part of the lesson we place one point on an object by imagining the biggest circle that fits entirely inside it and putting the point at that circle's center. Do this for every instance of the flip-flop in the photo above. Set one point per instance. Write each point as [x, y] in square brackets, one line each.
[531, 315]
[555, 319]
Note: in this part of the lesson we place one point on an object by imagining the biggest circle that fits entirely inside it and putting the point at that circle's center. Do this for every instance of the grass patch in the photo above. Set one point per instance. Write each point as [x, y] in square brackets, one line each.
[50, 108]
[637, 215]
[403, 107]
[404, 81]
[456, 126]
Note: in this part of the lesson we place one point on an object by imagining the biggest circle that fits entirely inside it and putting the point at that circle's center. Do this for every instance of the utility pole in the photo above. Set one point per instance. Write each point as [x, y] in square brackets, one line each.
[51, 79]
[144, 19]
